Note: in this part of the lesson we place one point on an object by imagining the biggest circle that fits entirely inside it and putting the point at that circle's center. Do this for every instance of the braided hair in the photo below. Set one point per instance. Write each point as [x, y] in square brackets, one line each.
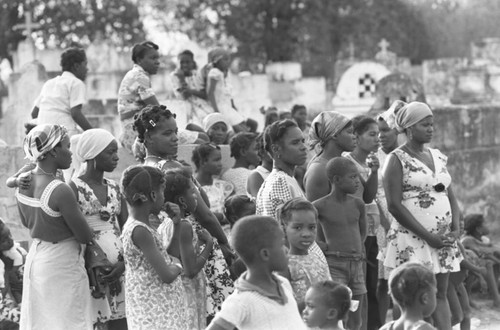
[139, 181]
[147, 119]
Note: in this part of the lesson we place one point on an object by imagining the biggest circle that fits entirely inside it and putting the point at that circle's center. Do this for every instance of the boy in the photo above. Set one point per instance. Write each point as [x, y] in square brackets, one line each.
[61, 99]
[261, 300]
[342, 221]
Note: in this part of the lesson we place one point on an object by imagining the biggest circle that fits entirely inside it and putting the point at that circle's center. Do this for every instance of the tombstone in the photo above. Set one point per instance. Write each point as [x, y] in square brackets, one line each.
[471, 86]
[355, 92]
[397, 86]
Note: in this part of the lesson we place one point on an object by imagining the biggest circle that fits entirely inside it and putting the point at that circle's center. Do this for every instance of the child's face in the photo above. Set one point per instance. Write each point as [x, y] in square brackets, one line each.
[213, 163]
[186, 63]
[218, 133]
[316, 314]
[483, 229]
[368, 141]
[349, 182]
[300, 116]
[278, 260]
[107, 160]
[159, 199]
[223, 63]
[301, 230]
[6, 241]
[252, 154]
[190, 198]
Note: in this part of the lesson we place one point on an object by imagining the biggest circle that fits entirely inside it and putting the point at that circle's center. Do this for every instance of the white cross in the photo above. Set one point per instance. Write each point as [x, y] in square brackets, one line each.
[384, 45]
[28, 25]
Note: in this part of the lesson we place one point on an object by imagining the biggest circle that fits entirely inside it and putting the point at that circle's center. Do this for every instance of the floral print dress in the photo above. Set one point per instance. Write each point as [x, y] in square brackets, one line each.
[102, 219]
[151, 303]
[431, 207]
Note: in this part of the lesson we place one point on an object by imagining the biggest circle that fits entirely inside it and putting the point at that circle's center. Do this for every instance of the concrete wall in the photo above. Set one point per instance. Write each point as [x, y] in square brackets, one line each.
[466, 134]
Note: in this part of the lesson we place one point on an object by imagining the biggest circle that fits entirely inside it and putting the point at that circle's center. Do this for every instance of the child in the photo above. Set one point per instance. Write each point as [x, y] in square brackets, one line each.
[299, 114]
[189, 250]
[261, 300]
[12, 256]
[217, 128]
[343, 225]
[270, 115]
[245, 152]
[260, 173]
[413, 288]
[299, 218]
[327, 304]
[207, 159]
[154, 294]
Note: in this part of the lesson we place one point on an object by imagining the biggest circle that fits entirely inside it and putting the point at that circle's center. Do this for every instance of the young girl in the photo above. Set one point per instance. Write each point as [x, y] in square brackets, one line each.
[155, 296]
[105, 210]
[219, 91]
[207, 159]
[327, 304]
[363, 156]
[413, 288]
[244, 150]
[299, 218]
[193, 257]
[260, 173]
[217, 128]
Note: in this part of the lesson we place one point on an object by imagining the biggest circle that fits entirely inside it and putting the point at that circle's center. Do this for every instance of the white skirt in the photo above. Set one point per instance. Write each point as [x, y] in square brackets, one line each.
[56, 292]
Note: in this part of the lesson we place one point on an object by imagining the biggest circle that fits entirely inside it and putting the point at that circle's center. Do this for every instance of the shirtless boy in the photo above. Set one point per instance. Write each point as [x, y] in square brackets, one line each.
[343, 226]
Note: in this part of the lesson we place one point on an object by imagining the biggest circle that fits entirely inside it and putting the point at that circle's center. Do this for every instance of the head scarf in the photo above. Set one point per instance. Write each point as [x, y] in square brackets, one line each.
[87, 146]
[90, 143]
[325, 126]
[411, 114]
[213, 119]
[389, 116]
[42, 139]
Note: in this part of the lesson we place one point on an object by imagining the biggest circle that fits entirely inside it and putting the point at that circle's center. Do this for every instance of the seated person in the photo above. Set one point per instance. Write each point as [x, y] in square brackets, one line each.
[217, 128]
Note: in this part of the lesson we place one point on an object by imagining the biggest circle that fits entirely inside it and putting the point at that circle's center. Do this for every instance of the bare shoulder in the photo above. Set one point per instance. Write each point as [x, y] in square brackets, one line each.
[358, 202]
[319, 204]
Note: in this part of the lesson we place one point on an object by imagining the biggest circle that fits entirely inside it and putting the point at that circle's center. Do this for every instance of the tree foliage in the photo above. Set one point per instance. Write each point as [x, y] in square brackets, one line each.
[66, 22]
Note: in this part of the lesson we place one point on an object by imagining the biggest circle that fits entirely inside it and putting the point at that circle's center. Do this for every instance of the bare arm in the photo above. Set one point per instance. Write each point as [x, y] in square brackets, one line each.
[79, 118]
[18, 180]
[317, 184]
[123, 216]
[143, 239]
[362, 219]
[371, 187]
[211, 94]
[254, 182]
[63, 200]
[34, 112]
[192, 263]
[208, 221]
[455, 213]
[393, 187]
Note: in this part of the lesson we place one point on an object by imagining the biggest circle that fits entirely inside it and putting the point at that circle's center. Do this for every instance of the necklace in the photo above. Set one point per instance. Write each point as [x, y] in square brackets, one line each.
[45, 173]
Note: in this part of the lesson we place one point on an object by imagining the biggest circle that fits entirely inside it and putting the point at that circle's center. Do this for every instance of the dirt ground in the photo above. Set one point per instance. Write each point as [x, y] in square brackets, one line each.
[486, 313]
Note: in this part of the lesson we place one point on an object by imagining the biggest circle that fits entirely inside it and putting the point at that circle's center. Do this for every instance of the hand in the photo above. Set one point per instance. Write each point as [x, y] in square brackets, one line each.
[373, 162]
[115, 273]
[229, 255]
[204, 236]
[23, 181]
[452, 237]
[435, 241]
[174, 212]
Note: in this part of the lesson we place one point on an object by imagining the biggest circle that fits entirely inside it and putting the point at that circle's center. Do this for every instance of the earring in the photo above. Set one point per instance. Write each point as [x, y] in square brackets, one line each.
[410, 135]
[94, 164]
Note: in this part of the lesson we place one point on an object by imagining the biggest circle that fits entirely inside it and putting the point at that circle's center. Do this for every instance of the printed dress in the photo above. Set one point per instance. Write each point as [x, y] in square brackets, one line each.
[305, 270]
[151, 303]
[196, 287]
[431, 208]
[102, 219]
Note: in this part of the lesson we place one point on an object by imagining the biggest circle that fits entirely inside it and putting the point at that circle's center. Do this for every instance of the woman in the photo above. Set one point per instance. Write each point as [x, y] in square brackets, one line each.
[135, 92]
[55, 283]
[288, 150]
[261, 172]
[157, 129]
[105, 210]
[420, 197]
[331, 133]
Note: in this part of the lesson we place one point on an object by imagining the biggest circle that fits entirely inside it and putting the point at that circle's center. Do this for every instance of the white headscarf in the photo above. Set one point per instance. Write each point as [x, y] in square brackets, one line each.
[213, 119]
[88, 145]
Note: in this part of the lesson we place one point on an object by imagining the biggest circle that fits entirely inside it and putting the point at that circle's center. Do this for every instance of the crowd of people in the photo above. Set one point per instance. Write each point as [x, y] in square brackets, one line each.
[318, 225]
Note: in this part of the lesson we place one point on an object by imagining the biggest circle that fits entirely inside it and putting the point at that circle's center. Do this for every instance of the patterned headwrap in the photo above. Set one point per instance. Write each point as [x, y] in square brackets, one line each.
[42, 139]
[326, 125]
[411, 114]
[389, 116]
